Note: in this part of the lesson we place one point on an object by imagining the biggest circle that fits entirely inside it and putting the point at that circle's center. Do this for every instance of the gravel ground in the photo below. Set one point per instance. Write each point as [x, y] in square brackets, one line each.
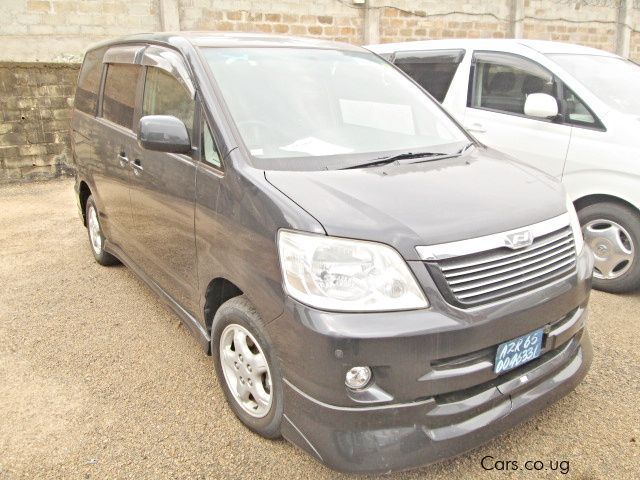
[100, 380]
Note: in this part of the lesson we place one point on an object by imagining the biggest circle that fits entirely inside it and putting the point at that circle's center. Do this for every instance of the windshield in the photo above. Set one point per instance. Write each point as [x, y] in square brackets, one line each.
[613, 80]
[297, 102]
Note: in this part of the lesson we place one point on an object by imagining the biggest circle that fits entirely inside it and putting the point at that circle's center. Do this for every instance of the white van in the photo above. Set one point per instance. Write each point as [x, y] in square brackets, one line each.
[571, 111]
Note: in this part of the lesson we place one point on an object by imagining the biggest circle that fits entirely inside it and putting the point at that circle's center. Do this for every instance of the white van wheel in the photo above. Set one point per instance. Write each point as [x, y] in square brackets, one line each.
[613, 233]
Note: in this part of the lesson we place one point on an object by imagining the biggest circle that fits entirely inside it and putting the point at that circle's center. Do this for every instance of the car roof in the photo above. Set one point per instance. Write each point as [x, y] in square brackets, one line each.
[541, 46]
[223, 39]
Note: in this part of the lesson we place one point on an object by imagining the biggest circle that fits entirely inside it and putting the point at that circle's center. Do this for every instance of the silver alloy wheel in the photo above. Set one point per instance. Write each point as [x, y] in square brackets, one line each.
[612, 248]
[246, 370]
[94, 230]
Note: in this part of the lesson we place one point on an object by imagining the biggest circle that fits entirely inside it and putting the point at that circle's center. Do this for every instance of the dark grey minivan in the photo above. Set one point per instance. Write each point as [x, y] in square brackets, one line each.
[372, 283]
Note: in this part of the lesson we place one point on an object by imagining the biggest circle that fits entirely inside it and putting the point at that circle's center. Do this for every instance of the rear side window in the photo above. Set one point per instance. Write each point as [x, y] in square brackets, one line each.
[434, 71]
[165, 95]
[502, 82]
[119, 95]
[89, 82]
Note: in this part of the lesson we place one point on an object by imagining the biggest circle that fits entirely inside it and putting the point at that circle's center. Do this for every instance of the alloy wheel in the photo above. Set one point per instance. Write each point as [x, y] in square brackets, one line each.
[94, 230]
[246, 370]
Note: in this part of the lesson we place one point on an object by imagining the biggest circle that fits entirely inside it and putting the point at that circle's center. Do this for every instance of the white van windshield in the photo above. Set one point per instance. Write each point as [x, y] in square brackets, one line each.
[303, 102]
[613, 80]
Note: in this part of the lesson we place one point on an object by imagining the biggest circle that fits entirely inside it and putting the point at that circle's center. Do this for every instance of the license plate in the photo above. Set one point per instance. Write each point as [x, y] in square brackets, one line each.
[518, 351]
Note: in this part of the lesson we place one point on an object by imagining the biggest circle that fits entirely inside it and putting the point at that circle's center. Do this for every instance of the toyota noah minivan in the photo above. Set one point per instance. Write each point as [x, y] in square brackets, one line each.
[372, 283]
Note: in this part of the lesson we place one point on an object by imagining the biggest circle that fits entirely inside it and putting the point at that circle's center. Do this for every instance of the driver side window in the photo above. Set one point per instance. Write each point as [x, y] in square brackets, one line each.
[503, 82]
[164, 95]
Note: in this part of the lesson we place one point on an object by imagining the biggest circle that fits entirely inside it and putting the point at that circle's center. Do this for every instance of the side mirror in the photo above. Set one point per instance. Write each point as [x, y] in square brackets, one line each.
[541, 105]
[164, 133]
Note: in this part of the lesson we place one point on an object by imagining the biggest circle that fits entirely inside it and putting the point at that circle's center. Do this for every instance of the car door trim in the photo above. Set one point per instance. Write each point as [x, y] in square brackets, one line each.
[124, 54]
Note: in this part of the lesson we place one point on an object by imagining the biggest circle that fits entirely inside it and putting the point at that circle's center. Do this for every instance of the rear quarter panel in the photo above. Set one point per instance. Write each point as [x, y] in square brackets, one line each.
[83, 150]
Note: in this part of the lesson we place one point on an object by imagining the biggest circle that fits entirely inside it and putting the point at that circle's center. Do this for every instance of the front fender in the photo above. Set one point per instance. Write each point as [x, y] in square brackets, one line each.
[583, 183]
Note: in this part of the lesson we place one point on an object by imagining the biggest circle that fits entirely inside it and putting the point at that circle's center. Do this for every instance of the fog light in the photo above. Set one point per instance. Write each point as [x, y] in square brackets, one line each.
[358, 377]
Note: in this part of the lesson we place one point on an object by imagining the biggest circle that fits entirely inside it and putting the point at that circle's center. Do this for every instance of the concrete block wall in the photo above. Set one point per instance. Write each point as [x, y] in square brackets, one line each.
[635, 47]
[60, 30]
[634, 22]
[592, 24]
[410, 20]
[35, 101]
[321, 18]
[43, 42]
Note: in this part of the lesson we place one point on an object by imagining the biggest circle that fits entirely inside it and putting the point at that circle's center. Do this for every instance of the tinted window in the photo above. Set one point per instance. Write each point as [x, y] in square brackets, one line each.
[89, 82]
[164, 95]
[503, 82]
[120, 94]
[434, 71]
[209, 149]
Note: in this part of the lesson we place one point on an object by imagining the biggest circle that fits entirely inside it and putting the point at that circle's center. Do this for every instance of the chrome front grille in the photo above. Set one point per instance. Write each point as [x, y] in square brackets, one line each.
[492, 274]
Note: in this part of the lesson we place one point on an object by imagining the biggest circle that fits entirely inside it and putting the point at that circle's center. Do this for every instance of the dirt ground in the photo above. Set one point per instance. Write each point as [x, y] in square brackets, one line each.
[98, 379]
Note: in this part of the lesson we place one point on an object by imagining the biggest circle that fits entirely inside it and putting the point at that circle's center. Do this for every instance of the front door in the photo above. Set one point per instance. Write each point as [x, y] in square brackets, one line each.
[495, 115]
[115, 144]
[163, 195]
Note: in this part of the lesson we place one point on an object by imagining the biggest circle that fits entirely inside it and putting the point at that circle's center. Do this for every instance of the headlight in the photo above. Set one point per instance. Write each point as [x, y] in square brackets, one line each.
[575, 225]
[333, 273]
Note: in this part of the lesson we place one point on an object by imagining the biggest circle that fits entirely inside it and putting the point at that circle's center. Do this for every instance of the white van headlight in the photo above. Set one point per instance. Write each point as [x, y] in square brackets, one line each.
[332, 273]
[575, 225]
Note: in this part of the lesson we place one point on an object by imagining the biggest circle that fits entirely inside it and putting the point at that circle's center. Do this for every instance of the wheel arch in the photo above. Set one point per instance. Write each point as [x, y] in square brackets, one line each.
[591, 186]
[83, 193]
[218, 291]
[594, 198]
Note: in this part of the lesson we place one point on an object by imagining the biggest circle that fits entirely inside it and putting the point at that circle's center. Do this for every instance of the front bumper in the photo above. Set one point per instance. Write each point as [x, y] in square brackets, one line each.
[434, 394]
[397, 437]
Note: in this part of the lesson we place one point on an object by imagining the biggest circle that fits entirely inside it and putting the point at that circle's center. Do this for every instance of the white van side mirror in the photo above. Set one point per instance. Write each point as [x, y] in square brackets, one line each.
[541, 105]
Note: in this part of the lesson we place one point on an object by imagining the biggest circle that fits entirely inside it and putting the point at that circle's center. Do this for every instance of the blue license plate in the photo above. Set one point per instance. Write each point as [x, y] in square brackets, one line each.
[518, 351]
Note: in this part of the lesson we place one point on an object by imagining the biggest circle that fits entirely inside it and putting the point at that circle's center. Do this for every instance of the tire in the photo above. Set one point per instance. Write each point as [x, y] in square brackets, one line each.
[96, 236]
[239, 315]
[613, 233]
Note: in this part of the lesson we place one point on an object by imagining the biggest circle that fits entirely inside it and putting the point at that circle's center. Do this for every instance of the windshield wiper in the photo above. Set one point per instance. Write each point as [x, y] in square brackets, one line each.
[409, 156]
[393, 158]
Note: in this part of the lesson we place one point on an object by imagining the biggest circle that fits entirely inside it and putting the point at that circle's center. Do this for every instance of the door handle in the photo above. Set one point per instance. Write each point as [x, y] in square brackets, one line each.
[137, 167]
[124, 161]
[476, 128]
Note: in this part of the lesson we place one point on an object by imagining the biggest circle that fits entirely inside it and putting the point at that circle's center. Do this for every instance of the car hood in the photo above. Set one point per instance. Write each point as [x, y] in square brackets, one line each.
[426, 203]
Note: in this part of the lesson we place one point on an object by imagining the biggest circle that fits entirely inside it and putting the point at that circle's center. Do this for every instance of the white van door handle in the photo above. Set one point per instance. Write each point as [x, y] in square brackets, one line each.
[476, 128]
